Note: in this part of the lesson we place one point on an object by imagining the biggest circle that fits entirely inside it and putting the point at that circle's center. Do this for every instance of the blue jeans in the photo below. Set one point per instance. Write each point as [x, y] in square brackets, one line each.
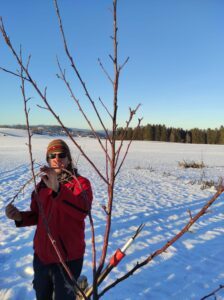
[51, 281]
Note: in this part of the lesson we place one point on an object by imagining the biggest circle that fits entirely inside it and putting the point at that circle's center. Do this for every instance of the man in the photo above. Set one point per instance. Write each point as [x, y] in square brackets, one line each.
[62, 202]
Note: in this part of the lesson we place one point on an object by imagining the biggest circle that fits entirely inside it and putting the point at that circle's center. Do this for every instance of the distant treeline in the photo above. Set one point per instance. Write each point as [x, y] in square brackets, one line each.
[169, 134]
[55, 130]
[143, 133]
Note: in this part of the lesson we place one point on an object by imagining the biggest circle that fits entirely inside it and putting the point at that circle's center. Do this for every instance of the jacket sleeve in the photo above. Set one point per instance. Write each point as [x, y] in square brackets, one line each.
[29, 218]
[75, 202]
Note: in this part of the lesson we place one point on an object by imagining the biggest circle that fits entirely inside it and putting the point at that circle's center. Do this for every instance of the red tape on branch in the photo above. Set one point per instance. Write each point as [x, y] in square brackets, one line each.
[116, 258]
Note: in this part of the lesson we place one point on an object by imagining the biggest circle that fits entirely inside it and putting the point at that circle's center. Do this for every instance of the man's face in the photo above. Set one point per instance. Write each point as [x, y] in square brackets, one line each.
[59, 161]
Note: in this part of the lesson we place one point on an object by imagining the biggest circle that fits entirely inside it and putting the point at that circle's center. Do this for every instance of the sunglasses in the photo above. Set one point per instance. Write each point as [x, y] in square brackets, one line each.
[59, 155]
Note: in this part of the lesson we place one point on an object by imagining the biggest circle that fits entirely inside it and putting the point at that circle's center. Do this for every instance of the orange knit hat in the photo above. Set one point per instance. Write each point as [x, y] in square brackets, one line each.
[58, 146]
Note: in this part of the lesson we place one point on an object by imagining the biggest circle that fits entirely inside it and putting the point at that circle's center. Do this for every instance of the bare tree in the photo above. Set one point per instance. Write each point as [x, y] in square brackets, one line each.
[111, 149]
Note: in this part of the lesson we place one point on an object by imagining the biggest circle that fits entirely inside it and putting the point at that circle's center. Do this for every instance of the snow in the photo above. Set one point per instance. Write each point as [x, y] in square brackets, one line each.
[152, 189]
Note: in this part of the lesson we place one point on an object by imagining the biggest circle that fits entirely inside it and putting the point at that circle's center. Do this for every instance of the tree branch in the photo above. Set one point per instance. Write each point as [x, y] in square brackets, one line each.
[105, 71]
[125, 62]
[105, 108]
[13, 73]
[73, 65]
[127, 149]
[81, 110]
[132, 113]
[112, 164]
[168, 244]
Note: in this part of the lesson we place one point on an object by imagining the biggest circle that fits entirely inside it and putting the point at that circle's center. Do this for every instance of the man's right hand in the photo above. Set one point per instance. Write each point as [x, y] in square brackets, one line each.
[13, 213]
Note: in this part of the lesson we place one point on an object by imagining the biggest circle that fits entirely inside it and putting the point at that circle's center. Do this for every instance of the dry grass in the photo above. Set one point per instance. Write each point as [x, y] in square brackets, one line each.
[191, 164]
[149, 168]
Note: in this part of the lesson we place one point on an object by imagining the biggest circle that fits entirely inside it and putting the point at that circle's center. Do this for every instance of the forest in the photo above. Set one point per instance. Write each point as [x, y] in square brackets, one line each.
[162, 133]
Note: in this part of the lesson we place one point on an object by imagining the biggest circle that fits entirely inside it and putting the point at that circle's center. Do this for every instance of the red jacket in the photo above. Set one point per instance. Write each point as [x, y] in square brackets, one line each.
[65, 213]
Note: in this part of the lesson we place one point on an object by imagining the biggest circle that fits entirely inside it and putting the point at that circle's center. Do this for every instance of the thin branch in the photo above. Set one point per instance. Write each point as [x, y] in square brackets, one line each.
[190, 214]
[73, 65]
[95, 291]
[13, 73]
[81, 110]
[114, 125]
[131, 115]
[105, 209]
[214, 292]
[125, 62]
[116, 72]
[107, 165]
[42, 107]
[127, 149]
[28, 62]
[111, 57]
[168, 244]
[105, 108]
[27, 121]
[105, 71]
[23, 187]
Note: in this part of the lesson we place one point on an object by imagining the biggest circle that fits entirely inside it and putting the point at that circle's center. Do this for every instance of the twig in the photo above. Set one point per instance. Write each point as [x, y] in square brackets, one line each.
[125, 62]
[13, 73]
[27, 121]
[42, 107]
[81, 109]
[105, 71]
[105, 209]
[73, 65]
[190, 214]
[131, 115]
[95, 292]
[22, 188]
[127, 149]
[105, 108]
[107, 166]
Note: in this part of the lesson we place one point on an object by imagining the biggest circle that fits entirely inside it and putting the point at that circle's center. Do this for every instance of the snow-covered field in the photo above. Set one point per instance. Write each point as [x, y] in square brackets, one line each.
[150, 189]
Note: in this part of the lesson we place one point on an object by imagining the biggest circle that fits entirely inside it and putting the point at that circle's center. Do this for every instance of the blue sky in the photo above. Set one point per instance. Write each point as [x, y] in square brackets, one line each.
[176, 66]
